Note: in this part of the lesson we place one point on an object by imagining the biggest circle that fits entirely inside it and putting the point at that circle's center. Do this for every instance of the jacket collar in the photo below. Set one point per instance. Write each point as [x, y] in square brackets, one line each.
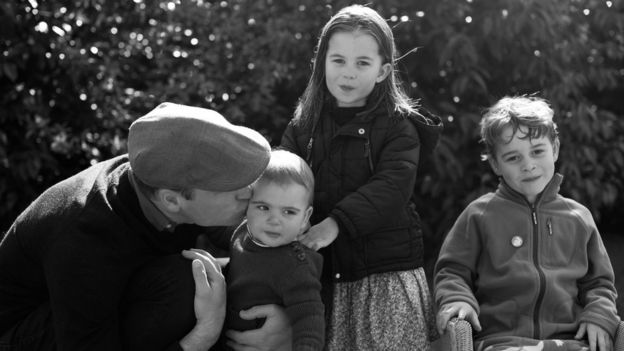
[549, 193]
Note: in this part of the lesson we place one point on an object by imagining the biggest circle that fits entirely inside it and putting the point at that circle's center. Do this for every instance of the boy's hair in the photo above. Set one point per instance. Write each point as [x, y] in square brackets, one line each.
[389, 92]
[531, 112]
[286, 168]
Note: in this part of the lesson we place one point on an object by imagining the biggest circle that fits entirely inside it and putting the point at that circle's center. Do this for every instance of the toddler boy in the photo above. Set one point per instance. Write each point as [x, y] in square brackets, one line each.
[267, 264]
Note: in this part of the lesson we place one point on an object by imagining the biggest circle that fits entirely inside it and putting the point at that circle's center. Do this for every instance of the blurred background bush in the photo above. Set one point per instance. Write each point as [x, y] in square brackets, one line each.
[75, 74]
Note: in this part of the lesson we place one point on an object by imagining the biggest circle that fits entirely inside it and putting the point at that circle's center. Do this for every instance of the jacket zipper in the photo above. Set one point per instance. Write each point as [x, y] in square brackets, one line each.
[309, 151]
[367, 154]
[542, 278]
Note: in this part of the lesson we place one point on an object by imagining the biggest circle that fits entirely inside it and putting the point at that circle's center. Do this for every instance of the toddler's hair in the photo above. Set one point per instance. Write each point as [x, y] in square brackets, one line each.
[389, 92]
[286, 168]
[531, 112]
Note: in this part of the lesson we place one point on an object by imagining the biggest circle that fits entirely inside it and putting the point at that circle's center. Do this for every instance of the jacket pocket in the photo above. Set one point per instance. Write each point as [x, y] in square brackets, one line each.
[564, 245]
[391, 245]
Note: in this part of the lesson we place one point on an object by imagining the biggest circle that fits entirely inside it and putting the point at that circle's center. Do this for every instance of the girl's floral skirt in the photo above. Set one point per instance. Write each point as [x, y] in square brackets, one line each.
[387, 311]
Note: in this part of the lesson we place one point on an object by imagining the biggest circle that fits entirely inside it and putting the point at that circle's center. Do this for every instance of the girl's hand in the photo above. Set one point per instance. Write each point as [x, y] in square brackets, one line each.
[320, 235]
[461, 310]
[596, 337]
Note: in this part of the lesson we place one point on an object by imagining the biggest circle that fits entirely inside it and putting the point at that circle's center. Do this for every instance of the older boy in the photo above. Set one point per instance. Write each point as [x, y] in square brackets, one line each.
[525, 265]
[267, 264]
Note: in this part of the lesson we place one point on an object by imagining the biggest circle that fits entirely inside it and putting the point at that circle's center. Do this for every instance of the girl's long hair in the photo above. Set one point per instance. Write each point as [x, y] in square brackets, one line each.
[388, 92]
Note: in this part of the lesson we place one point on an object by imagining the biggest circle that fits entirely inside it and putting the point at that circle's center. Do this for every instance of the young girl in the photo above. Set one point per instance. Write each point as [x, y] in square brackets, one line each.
[363, 138]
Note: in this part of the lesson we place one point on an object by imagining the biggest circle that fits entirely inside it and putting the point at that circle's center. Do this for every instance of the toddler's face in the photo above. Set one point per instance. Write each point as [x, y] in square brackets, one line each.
[352, 67]
[277, 213]
[527, 165]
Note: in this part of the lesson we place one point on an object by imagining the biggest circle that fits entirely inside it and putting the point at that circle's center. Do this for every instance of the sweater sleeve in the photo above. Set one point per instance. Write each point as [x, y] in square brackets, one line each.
[457, 262]
[389, 189]
[85, 288]
[596, 289]
[76, 274]
[302, 303]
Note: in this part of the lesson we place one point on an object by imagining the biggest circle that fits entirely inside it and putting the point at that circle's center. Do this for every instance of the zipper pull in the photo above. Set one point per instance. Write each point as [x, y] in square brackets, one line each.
[366, 148]
[534, 217]
[549, 225]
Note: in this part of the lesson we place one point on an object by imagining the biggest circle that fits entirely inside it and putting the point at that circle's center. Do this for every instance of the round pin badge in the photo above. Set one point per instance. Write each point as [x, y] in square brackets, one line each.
[516, 241]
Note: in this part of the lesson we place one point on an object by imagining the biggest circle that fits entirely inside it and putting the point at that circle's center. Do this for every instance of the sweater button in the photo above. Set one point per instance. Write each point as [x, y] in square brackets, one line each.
[337, 275]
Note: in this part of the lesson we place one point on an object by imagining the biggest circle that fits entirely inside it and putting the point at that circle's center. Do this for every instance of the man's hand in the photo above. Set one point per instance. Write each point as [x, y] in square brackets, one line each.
[275, 333]
[598, 338]
[320, 235]
[461, 310]
[209, 300]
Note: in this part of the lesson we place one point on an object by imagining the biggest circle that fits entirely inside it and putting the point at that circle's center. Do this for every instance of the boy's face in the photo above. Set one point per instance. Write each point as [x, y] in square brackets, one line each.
[277, 214]
[527, 165]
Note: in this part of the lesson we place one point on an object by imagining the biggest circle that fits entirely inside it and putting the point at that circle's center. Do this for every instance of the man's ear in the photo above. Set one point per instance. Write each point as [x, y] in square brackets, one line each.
[169, 199]
[494, 165]
[384, 71]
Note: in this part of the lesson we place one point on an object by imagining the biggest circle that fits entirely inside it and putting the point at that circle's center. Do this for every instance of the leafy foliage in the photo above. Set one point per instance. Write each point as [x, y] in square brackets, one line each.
[74, 75]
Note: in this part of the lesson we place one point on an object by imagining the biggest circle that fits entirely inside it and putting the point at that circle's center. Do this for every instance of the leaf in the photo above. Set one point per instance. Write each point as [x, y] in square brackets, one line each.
[10, 70]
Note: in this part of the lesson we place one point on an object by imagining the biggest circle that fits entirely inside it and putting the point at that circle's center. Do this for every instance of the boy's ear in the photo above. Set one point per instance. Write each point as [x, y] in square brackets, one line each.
[308, 213]
[556, 150]
[384, 71]
[305, 224]
[494, 165]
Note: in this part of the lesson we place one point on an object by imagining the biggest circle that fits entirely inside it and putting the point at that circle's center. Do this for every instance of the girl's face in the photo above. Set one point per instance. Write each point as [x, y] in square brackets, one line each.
[353, 66]
[527, 165]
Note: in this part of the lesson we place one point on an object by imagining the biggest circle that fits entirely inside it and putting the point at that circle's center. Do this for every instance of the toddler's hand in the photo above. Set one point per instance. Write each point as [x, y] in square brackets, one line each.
[598, 338]
[461, 310]
[320, 235]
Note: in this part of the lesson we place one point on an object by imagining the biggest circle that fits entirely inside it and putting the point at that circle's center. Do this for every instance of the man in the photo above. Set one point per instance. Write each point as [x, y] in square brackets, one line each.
[94, 263]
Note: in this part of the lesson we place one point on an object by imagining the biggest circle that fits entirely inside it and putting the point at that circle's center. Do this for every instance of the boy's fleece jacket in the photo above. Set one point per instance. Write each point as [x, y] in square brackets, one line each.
[534, 271]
